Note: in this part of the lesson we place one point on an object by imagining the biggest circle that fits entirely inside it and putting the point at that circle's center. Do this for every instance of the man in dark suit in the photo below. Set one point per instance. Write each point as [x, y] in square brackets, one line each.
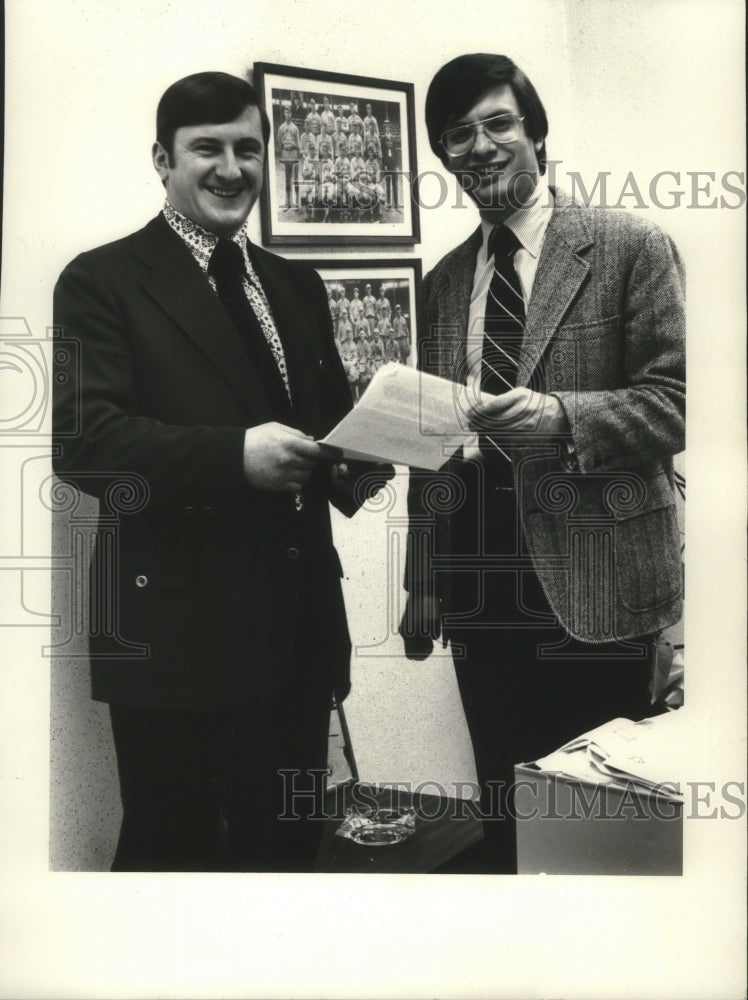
[207, 370]
[548, 551]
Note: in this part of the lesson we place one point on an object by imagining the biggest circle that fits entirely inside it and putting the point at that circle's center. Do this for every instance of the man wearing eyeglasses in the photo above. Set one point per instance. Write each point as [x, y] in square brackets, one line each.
[547, 551]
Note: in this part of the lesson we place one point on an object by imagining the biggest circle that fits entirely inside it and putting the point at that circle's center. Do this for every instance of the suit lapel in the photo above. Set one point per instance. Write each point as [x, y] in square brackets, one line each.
[457, 303]
[561, 273]
[292, 320]
[176, 283]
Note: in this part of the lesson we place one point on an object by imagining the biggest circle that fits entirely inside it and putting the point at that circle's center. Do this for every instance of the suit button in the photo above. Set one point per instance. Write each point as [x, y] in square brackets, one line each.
[208, 511]
[189, 511]
[141, 581]
[292, 553]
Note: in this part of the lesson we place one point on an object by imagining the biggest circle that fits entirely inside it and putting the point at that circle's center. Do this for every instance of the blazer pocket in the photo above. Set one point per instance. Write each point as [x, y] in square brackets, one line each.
[593, 329]
[585, 355]
[159, 608]
[647, 546]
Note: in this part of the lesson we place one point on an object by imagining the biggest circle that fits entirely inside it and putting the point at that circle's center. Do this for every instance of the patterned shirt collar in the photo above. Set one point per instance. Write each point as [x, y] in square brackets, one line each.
[200, 242]
[530, 222]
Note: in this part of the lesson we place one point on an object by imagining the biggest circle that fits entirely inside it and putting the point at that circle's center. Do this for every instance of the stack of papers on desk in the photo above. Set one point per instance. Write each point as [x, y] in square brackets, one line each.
[651, 756]
[405, 417]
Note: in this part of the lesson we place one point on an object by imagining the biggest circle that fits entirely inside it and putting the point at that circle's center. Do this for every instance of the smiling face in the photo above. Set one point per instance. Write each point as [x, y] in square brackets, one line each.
[214, 174]
[498, 177]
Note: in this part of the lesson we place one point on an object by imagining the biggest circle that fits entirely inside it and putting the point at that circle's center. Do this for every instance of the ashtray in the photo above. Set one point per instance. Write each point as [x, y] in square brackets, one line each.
[378, 827]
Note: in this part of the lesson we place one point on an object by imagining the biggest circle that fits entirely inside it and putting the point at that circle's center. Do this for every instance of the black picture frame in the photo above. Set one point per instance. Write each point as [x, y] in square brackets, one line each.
[400, 281]
[354, 206]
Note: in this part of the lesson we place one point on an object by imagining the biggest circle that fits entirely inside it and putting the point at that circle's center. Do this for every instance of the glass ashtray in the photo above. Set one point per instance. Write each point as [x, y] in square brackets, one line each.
[378, 827]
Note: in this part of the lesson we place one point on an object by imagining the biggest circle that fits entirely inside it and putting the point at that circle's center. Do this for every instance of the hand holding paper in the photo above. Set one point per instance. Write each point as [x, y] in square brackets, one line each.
[406, 417]
[279, 458]
[519, 409]
[410, 418]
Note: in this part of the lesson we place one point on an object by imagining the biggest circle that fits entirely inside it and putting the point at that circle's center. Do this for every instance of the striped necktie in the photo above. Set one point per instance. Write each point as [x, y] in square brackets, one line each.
[504, 325]
[505, 316]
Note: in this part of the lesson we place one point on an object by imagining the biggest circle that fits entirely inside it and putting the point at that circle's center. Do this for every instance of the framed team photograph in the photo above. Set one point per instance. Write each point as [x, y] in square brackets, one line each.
[341, 163]
[373, 309]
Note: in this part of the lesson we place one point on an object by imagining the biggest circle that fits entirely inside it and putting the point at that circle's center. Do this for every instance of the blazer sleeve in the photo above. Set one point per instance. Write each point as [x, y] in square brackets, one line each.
[99, 432]
[642, 421]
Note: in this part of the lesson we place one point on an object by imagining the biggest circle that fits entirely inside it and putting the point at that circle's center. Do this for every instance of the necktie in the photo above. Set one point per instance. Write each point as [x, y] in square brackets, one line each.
[503, 330]
[227, 268]
[505, 316]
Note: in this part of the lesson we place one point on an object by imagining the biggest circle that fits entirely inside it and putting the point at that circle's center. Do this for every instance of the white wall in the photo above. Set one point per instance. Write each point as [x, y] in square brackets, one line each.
[642, 85]
[90, 103]
[86, 77]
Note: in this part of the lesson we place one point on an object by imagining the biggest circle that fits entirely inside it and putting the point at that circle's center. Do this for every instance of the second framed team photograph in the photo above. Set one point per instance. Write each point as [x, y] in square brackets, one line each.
[373, 308]
[341, 161]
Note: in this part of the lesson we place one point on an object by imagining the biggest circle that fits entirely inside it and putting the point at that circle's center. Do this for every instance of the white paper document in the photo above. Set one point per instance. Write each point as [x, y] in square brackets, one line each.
[405, 417]
[654, 754]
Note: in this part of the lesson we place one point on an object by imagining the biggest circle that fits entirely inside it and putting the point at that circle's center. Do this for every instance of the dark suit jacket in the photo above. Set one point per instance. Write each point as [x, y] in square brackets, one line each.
[605, 332]
[201, 569]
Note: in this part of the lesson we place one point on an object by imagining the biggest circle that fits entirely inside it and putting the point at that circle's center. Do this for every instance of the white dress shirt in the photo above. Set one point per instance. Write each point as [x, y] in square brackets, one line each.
[529, 225]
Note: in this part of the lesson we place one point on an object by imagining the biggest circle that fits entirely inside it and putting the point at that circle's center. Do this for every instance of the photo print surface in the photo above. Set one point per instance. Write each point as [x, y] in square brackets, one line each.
[340, 159]
[373, 308]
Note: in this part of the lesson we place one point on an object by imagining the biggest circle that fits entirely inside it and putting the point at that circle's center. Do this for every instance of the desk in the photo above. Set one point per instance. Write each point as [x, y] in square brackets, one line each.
[609, 802]
[444, 828]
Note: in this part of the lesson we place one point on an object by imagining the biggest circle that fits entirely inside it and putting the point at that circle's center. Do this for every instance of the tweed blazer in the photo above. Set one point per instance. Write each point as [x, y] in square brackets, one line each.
[605, 333]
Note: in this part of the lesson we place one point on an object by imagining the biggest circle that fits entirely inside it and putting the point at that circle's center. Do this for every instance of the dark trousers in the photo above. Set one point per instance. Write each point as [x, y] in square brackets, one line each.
[527, 686]
[202, 790]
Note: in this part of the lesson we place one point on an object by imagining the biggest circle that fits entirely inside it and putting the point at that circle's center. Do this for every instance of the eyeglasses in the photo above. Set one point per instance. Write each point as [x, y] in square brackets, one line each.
[461, 139]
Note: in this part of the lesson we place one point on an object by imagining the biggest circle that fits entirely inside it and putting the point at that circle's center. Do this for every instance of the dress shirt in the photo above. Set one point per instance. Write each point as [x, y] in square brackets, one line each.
[201, 245]
[529, 225]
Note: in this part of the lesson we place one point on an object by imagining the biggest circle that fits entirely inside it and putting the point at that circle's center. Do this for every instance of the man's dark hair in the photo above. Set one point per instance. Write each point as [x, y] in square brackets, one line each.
[205, 99]
[459, 84]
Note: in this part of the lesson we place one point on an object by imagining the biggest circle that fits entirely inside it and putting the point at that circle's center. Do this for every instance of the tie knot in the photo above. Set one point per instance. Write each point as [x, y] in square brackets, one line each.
[227, 260]
[502, 242]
